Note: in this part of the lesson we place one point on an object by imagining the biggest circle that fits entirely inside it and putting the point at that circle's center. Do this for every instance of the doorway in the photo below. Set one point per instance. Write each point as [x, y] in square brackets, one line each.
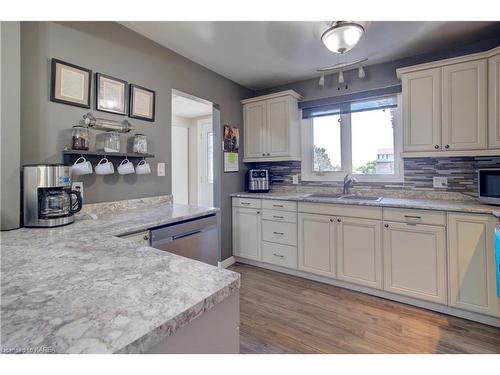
[192, 150]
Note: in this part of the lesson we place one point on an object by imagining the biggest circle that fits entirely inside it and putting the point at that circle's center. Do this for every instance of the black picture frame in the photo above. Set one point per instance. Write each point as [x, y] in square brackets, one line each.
[131, 95]
[98, 77]
[53, 79]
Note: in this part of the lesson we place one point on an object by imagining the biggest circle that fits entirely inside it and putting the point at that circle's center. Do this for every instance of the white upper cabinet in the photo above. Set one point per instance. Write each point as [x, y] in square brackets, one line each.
[271, 127]
[494, 101]
[451, 107]
[422, 110]
[465, 105]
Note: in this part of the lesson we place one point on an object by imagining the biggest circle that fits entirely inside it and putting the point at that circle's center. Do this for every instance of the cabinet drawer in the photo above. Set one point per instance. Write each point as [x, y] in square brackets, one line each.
[281, 255]
[415, 216]
[284, 216]
[279, 205]
[284, 233]
[246, 202]
[346, 210]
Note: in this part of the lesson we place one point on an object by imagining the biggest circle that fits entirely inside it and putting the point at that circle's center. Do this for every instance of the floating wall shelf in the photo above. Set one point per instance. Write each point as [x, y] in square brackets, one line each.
[70, 156]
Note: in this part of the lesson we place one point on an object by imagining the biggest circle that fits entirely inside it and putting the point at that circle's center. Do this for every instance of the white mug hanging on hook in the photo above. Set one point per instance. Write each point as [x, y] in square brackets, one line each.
[126, 167]
[143, 167]
[81, 167]
[104, 167]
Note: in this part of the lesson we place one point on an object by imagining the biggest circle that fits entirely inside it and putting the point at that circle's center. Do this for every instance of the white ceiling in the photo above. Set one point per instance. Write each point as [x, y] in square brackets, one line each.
[189, 108]
[265, 54]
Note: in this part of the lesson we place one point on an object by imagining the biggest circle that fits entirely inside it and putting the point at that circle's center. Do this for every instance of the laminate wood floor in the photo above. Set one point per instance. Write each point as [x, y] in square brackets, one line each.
[287, 314]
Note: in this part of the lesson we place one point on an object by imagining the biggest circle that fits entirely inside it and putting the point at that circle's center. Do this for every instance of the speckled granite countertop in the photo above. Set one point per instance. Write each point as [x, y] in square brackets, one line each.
[424, 204]
[79, 288]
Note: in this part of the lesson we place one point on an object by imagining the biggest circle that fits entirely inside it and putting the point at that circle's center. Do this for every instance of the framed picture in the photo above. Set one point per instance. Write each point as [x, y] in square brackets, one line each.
[70, 84]
[142, 103]
[110, 94]
[231, 139]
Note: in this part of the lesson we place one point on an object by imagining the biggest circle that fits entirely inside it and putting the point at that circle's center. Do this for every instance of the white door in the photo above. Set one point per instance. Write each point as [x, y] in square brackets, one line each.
[465, 105]
[206, 164]
[359, 251]
[247, 233]
[494, 101]
[316, 244]
[254, 129]
[471, 263]
[422, 110]
[415, 261]
[277, 139]
[180, 164]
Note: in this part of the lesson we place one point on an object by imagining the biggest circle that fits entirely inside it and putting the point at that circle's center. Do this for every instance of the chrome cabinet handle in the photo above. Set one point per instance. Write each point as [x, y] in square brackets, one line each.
[278, 205]
[413, 217]
[268, 154]
[331, 220]
[280, 233]
[386, 225]
[278, 255]
[146, 238]
[258, 212]
[245, 203]
[339, 220]
[447, 146]
[278, 217]
[436, 147]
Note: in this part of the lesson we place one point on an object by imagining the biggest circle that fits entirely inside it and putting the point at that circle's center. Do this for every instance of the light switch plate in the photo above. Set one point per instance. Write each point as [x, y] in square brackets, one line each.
[160, 169]
[77, 186]
[295, 179]
[440, 182]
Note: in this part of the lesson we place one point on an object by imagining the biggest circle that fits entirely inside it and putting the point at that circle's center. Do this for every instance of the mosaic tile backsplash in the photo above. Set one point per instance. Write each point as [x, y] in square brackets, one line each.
[418, 175]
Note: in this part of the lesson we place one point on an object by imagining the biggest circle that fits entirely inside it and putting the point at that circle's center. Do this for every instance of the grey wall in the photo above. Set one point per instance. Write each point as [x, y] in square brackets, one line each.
[112, 49]
[10, 56]
[377, 76]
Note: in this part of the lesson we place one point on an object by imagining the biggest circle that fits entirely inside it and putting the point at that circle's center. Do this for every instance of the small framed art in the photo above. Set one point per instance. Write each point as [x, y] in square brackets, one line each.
[70, 84]
[142, 103]
[110, 94]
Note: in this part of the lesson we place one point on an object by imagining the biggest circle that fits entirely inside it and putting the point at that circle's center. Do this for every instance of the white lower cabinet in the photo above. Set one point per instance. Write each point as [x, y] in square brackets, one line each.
[415, 261]
[247, 233]
[359, 251]
[316, 244]
[471, 263]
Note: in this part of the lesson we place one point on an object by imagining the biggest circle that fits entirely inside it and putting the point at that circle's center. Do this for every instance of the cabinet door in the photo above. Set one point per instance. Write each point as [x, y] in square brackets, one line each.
[471, 263]
[316, 244]
[255, 129]
[415, 261]
[359, 251]
[465, 106]
[278, 127]
[422, 110]
[494, 101]
[247, 233]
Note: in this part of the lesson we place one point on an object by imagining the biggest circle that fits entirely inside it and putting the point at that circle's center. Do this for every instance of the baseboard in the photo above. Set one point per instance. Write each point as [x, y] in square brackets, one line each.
[227, 262]
[489, 320]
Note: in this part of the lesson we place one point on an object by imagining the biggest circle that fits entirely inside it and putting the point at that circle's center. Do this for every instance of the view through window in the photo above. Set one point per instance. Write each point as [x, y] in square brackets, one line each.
[327, 146]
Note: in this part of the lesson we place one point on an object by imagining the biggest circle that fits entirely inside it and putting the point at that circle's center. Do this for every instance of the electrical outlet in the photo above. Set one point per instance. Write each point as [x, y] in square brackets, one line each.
[78, 186]
[160, 169]
[440, 182]
[295, 179]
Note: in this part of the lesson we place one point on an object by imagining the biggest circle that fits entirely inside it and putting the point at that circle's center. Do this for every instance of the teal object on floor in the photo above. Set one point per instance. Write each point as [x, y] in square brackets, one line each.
[497, 257]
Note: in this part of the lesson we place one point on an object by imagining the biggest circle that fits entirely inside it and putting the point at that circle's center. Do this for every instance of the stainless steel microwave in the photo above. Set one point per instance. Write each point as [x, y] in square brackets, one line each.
[488, 185]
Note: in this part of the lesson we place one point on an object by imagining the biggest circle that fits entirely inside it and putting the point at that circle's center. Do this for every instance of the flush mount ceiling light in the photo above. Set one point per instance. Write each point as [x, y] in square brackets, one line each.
[342, 36]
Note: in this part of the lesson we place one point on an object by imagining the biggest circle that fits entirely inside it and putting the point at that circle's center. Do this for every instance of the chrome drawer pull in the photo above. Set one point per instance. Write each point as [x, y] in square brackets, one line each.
[245, 203]
[278, 255]
[278, 217]
[280, 233]
[278, 205]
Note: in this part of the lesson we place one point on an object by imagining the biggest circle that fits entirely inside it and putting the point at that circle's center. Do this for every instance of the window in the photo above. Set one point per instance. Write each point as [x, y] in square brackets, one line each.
[361, 138]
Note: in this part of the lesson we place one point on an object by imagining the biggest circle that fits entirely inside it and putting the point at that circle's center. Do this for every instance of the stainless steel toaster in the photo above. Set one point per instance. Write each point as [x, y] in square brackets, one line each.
[258, 181]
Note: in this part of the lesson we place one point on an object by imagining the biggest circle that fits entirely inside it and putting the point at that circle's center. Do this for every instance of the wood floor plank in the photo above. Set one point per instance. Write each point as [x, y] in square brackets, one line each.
[287, 314]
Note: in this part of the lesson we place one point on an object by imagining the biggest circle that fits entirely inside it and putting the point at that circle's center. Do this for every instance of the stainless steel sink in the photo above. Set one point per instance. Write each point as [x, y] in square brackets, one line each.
[362, 198]
[325, 195]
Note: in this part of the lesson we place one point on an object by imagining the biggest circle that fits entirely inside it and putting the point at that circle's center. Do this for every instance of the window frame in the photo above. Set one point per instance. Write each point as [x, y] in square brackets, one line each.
[308, 174]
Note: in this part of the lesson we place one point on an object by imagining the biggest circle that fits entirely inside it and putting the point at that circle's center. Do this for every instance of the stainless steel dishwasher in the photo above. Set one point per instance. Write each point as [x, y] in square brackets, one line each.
[195, 238]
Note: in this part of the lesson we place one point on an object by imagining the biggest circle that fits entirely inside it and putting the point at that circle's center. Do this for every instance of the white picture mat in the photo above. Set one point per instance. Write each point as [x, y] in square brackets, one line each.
[142, 103]
[72, 84]
[112, 95]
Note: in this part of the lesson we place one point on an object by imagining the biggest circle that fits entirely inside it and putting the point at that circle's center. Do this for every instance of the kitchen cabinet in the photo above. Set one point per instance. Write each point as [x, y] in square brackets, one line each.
[316, 244]
[247, 233]
[494, 101]
[359, 251]
[271, 127]
[422, 110]
[471, 263]
[415, 261]
[464, 105]
[140, 238]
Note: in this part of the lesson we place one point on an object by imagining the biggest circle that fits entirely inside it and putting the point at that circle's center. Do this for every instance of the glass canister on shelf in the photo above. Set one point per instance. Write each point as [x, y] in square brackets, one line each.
[140, 144]
[80, 138]
[112, 141]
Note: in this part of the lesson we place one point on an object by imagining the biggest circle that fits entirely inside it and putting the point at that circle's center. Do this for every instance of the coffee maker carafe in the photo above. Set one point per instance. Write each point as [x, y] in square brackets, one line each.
[48, 198]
